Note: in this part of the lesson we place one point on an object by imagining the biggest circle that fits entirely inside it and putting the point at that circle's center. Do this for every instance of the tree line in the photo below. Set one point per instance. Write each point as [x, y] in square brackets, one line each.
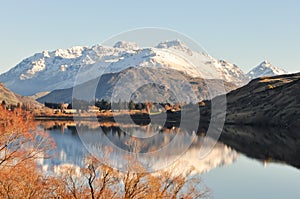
[103, 105]
[12, 107]
[106, 105]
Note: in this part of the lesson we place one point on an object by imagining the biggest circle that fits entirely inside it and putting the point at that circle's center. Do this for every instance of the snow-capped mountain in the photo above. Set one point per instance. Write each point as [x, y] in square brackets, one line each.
[265, 69]
[58, 69]
[47, 71]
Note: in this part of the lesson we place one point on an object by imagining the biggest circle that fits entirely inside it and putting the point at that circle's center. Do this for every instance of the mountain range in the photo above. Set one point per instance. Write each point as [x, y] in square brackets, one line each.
[59, 69]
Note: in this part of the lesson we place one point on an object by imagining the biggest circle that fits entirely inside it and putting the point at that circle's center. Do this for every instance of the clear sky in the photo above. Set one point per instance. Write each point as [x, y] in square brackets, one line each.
[242, 32]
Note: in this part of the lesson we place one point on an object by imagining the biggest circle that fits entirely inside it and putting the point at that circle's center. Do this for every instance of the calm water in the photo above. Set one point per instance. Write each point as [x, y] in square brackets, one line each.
[225, 170]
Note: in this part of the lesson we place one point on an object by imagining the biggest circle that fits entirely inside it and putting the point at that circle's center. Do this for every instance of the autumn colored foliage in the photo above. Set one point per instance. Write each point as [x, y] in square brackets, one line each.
[21, 145]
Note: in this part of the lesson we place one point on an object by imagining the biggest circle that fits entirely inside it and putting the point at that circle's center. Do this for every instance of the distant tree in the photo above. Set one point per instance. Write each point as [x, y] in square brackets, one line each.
[148, 106]
[102, 104]
[131, 105]
[107, 105]
[3, 103]
[139, 106]
[62, 107]
[120, 105]
[168, 106]
[70, 106]
[49, 105]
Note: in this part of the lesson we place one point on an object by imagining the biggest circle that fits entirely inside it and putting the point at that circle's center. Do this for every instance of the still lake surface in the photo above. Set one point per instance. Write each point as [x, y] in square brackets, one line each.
[227, 172]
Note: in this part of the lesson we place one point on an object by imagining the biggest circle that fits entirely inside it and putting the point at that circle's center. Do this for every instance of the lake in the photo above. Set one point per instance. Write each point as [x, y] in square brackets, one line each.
[247, 165]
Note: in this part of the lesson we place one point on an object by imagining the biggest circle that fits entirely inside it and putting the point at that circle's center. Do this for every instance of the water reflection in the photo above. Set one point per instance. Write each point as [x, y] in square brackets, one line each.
[264, 144]
[102, 136]
[227, 170]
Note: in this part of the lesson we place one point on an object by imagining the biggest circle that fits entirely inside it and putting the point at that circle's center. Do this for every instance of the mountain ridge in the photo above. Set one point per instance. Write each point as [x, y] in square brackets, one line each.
[11, 98]
[265, 68]
[150, 84]
[50, 70]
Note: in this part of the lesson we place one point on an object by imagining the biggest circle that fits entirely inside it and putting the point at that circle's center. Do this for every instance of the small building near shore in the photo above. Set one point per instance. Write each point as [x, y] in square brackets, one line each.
[69, 111]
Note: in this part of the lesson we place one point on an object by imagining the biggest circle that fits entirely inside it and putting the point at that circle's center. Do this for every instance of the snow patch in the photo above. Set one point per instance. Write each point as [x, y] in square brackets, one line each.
[126, 45]
[63, 68]
[70, 53]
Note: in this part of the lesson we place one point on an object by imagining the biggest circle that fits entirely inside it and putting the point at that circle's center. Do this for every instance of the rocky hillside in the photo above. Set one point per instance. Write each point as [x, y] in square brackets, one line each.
[158, 85]
[11, 98]
[8, 96]
[271, 101]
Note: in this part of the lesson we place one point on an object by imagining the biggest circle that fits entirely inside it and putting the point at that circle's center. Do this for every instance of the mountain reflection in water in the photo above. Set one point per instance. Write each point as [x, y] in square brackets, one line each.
[263, 144]
[97, 137]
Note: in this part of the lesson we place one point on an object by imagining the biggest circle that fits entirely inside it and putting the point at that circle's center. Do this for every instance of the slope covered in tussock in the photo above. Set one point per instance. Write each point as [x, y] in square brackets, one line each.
[11, 98]
[266, 101]
[8, 96]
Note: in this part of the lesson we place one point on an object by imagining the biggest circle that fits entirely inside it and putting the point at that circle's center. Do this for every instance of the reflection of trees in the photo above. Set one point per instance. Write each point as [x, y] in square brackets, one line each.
[21, 177]
[119, 136]
[260, 143]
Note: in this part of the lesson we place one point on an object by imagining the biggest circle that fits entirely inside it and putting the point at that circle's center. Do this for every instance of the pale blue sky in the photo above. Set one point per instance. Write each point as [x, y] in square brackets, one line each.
[242, 32]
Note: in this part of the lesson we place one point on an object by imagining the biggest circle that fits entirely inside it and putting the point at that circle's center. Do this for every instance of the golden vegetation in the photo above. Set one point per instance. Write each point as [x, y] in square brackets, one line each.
[270, 86]
[100, 181]
[20, 176]
[20, 146]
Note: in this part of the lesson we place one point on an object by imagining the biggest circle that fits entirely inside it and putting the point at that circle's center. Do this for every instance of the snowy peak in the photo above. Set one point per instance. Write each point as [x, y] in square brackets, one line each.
[265, 62]
[126, 45]
[265, 69]
[231, 71]
[50, 70]
[70, 53]
[174, 44]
